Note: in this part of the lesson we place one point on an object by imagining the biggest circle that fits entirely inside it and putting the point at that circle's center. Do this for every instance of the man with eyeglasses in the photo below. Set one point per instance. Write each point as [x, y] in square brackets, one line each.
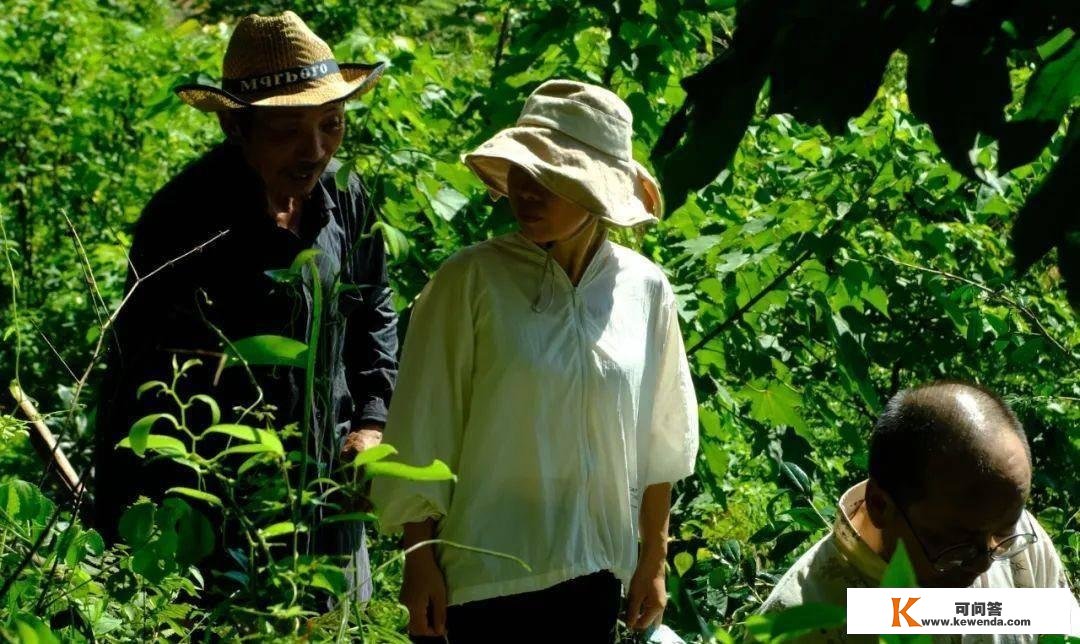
[949, 475]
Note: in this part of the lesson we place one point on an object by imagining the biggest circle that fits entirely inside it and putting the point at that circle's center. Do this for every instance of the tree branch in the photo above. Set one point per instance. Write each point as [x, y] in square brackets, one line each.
[997, 295]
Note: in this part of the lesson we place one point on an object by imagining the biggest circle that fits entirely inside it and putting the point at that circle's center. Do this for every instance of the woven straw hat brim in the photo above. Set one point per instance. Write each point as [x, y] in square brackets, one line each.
[354, 80]
[613, 190]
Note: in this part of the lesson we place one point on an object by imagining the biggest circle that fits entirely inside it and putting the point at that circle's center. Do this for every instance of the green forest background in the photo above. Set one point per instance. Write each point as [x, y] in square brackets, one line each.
[827, 263]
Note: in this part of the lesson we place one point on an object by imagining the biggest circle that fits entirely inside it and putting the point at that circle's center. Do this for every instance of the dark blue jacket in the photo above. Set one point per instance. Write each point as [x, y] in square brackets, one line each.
[186, 292]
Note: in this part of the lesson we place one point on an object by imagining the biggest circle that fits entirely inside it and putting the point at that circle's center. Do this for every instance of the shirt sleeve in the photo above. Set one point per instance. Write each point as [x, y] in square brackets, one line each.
[371, 343]
[673, 438]
[431, 402]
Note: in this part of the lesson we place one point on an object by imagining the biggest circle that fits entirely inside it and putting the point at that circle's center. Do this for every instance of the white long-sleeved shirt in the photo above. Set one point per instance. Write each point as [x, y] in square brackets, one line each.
[554, 421]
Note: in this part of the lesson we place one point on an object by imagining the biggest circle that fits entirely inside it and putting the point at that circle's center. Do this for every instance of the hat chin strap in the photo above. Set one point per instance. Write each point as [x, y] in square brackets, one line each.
[539, 304]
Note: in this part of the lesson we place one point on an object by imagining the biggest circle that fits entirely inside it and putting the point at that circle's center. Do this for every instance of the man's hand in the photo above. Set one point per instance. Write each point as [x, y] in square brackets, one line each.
[648, 591]
[360, 439]
[356, 441]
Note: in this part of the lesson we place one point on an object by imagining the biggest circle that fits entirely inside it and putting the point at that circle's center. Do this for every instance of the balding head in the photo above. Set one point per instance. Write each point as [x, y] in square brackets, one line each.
[950, 468]
[946, 427]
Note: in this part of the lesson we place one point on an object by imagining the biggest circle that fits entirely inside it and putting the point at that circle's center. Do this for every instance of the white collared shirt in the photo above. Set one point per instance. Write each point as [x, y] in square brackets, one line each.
[554, 421]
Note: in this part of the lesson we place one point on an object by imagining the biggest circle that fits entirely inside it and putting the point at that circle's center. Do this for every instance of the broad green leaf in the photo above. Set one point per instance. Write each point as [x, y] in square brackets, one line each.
[373, 454]
[32, 630]
[341, 177]
[147, 386]
[252, 462]
[877, 298]
[899, 573]
[196, 494]
[331, 579]
[195, 535]
[683, 562]
[304, 257]
[164, 445]
[717, 458]
[396, 242]
[215, 411]
[775, 404]
[796, 476]
[436, 471]
[787, 543]
[23, 502]
[265, 439]
[731, 551]
[793, 622]
[248, 448]
[185, 28]
[188, 364]
[271, 350]
[92, 542]
[137, 523]
[447, 203]
[280, 528]
[141, 430]
[1052, 46]
[1054, 86]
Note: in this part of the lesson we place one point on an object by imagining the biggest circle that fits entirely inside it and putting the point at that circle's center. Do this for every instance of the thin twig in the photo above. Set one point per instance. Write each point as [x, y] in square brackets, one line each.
[81, 382]
[779, 279]
[54, 350]
[997, 295]
[504, 37]
[14, 297]
[88, 271]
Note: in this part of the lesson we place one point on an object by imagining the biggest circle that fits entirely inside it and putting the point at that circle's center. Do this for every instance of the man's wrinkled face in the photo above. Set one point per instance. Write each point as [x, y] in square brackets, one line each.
[291, 146]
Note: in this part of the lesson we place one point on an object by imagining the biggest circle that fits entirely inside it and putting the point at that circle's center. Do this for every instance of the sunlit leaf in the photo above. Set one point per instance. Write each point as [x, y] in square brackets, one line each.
[436, 471]
[272, 350]
[212, 499]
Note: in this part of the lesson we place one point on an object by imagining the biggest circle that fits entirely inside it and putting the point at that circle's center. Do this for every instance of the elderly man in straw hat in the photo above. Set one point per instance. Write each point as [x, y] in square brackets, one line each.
[555, 384]
[200, 259]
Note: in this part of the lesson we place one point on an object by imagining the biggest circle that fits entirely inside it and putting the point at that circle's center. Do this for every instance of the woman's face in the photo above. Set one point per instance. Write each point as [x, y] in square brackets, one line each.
[542, 216]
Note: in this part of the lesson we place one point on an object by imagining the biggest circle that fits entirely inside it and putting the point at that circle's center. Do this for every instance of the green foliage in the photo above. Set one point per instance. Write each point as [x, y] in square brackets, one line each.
[899, 573]
[831, 249]
[822, 62]
[73, 588]
[794, 622]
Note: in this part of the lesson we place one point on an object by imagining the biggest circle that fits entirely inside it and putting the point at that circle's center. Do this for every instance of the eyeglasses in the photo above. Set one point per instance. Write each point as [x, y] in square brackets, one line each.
[965, 555]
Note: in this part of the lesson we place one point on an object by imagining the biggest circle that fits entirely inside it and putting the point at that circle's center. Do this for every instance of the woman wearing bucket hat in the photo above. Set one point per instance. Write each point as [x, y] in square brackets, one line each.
[203, 251]
[546, 368]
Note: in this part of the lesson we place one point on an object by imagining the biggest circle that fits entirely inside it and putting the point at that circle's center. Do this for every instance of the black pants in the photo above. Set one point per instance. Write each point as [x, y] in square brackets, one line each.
[584, 609]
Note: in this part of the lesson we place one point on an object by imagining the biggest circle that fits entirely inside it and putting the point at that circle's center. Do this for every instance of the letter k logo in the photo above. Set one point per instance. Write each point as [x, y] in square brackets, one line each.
[897, 611]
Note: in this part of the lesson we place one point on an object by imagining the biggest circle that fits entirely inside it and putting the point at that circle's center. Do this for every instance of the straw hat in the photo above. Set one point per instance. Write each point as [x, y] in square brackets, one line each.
[575, 140]
[277, 61]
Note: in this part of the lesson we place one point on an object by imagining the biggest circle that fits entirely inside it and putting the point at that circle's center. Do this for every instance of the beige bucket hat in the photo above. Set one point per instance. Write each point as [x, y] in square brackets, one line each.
[277, 61]
[575, 140]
